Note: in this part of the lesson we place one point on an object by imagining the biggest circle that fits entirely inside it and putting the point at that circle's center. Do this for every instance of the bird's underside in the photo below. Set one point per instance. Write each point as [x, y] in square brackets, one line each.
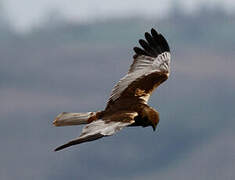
[127, 105]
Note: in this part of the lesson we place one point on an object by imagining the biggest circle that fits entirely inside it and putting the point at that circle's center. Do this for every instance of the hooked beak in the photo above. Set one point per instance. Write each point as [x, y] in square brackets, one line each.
[154, 127]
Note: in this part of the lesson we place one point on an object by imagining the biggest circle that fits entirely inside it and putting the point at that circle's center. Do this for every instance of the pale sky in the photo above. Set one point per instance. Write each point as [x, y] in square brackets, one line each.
[26, 13]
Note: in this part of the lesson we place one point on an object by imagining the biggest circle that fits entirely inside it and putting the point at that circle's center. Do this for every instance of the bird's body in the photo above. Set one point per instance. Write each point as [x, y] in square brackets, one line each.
[127, 105]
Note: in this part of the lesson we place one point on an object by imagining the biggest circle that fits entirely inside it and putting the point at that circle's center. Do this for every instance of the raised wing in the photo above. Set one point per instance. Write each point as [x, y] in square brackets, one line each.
[102, 127]
[151, 67]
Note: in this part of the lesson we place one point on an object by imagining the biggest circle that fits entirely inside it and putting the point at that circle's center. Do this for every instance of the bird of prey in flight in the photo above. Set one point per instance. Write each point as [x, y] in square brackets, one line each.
[127, 105]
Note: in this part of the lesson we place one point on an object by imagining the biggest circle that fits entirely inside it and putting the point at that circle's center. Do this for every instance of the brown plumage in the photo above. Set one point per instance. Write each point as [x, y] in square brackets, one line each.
[127, 105]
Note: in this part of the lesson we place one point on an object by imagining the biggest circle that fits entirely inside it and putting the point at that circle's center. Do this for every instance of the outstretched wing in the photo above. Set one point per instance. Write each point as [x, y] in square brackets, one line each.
[151, 67]
[102, 127]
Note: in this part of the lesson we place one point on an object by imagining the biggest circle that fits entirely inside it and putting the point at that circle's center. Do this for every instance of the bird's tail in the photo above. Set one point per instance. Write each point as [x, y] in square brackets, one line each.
[70, 119]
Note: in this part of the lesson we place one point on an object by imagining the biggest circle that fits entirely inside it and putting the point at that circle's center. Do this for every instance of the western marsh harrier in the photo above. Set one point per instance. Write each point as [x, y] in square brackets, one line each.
[127, 105]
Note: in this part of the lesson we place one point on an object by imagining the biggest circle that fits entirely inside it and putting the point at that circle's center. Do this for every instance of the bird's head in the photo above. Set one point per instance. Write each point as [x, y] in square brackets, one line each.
[152, 116]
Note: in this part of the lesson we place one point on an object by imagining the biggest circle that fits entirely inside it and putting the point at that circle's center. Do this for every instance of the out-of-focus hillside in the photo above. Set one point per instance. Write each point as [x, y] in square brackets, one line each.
[64, 66]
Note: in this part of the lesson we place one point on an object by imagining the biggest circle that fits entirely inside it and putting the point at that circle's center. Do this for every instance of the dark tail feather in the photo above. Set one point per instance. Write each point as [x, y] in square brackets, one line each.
[79, 141]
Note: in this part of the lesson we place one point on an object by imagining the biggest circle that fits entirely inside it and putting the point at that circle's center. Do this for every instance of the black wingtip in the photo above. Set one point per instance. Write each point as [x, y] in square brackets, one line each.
[139, 51]
[154, 44]
[62, 147]
[58, 149]
[154, 32]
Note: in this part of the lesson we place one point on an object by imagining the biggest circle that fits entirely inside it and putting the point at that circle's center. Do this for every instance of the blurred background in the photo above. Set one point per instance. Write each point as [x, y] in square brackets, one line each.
[62, 55]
